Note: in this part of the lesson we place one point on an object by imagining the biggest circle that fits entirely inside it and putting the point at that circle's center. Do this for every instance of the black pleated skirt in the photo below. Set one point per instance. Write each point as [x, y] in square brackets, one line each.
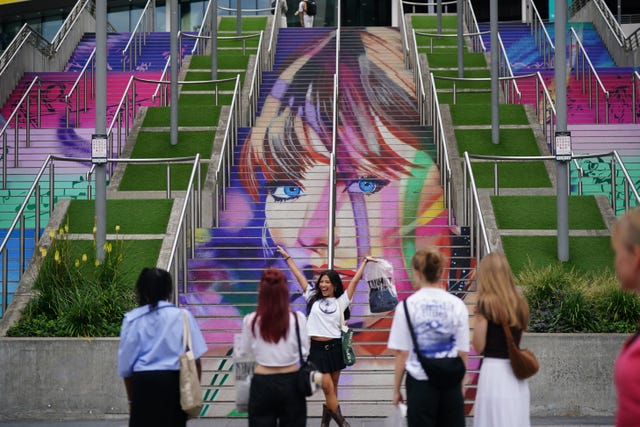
[327, 355]
[156, 400]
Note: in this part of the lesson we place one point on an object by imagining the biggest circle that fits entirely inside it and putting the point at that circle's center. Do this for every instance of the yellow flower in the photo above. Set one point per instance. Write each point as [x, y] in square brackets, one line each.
[43, 251]
[57, 256]
[66, 228]
[117, 228]
[108, 247]
[84, 257]
[95, 229]
[52, 233]
[77, 263]
[61, 232]
[97, 263]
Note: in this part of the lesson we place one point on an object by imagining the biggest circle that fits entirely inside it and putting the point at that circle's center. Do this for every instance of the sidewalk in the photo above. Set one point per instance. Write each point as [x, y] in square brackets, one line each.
[355, 422]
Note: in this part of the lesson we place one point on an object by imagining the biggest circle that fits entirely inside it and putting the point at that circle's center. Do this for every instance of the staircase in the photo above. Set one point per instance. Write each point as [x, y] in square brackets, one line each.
[388, 202]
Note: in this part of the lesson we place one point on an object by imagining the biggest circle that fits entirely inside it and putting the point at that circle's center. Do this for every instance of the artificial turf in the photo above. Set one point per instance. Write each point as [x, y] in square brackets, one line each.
[188, 115]
[474, 115]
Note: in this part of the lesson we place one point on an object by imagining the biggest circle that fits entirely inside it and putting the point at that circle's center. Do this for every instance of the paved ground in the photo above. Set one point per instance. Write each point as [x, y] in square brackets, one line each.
[355, 422]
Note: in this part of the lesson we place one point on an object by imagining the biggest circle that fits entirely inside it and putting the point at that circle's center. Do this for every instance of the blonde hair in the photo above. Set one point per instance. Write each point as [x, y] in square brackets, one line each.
[430, 263]
[627, 228]
[498, 299]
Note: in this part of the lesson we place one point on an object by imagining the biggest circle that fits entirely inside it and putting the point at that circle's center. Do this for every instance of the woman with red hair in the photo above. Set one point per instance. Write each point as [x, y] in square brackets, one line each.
[270, 333]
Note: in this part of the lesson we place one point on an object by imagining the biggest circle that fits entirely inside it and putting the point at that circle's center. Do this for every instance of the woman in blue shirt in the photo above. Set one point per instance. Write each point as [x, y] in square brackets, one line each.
[150, 345]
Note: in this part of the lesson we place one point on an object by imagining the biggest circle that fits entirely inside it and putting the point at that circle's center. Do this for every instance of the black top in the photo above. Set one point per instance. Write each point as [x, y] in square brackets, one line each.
[496, 345]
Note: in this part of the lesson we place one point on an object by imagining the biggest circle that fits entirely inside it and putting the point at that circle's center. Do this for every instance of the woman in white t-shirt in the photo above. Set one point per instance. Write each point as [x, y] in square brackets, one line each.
[325, 300]
[270, 334]
[441, 324]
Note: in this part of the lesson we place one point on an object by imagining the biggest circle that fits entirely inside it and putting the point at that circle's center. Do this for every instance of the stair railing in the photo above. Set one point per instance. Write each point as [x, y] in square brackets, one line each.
[270, 52]
[404, 38]
[472, 215]
[611, 22]
[34, 200]
[82, 76]
[162, 90]
[436, 36]
[545, 111]
[635, 82]
[138, 38]
[254, 86]
[69, 23]
[445, 5]
[586, 72]
[471, 23]
[243, 38]
[442, 153]
[546, 48]
[23, 107]
[123, 117]
[510, 88]
[203, 31]
[225, 161]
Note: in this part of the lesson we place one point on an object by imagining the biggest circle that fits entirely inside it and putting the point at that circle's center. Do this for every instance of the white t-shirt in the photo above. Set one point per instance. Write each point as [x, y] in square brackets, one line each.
[282, 353]
[324, 317]
[440, 321]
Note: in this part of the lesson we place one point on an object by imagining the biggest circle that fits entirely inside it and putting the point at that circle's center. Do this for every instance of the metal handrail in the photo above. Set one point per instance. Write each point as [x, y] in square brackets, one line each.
[202, 32]
[184, 237]
[228, 9]
[269, 56]
[421, 92]
[548, 107]
[34, 195]
[435, 35]
[12, 51]
[138, 36]
[68, 24]
[26, 100]
[162, 89]
[628, 183]
[472, 215]
[591, 70]
[635, 81]
[254, 86]
[129, 109]
[225, 161]
[442, 152]
[444, 3]
[612, 23]
[81, 76]
[510, 88]
[471, 22]
[546, 48]
[403, 36]
[243, 38]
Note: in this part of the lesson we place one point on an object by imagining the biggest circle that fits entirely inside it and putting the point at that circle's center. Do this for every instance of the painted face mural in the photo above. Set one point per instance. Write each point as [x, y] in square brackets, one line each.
[388, 194]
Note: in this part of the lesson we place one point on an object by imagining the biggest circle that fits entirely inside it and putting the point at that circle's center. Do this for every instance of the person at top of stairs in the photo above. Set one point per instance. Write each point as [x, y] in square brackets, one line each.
[326, 302]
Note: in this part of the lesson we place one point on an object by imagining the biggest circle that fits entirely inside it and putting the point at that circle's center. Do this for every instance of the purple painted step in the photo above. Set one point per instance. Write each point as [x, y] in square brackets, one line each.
[591, 138]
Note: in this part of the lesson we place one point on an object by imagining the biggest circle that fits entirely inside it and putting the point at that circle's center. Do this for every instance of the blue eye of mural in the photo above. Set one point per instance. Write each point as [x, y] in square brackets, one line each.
[367, 186]
[283, 193]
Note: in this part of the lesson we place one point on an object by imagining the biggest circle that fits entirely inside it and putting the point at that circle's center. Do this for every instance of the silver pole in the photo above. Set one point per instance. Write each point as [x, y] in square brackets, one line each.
[562, 167]
[174, 73]
[460, 6]
[214, 39]
[238, 17]
[101, 126]
[495, 88]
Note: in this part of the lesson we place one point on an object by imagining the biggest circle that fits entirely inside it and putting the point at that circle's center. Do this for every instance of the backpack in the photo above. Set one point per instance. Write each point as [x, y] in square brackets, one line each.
[311, 7]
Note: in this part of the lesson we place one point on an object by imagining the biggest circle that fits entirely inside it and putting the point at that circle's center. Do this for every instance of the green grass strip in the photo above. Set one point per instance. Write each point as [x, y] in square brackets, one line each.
[431, 22]
[249, 23]
[465, 114]
[512, 175]
[427, 41]
[201, 76]
[226, 61]
[539, 213]
[450, 60]
[152, 177]
[134, 216]
[188, 115]
[586, 254]
[513, 142]
[463, 84]
[465, 98]
[205, 99]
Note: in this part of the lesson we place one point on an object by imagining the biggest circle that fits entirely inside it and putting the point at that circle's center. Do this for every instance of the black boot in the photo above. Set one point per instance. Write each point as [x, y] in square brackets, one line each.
[326, 416]
[337, 416]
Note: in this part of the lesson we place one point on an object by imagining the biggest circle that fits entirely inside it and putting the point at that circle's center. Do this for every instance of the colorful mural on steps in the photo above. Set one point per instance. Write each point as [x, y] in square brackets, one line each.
[388, 197]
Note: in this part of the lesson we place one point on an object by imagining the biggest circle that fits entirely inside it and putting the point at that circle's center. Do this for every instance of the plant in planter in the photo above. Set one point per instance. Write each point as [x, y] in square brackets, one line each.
[77, 296]
[570, 301]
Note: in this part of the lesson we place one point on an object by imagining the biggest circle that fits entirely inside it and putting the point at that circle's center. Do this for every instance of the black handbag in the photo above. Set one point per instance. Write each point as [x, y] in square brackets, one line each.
[307, 372]
[444, 372]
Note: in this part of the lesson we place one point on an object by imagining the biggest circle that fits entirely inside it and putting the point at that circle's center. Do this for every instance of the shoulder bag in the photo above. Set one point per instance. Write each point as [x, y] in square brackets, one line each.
[443, 372]
[190, 389]
[523, 361]
[307, 384]
[348, 355]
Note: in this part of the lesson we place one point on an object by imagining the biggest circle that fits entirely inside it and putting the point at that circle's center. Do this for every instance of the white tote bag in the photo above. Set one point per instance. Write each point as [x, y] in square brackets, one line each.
[190, 389]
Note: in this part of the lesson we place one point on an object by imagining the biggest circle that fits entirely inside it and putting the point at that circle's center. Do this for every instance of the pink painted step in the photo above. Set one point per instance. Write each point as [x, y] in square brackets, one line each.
[56, 85]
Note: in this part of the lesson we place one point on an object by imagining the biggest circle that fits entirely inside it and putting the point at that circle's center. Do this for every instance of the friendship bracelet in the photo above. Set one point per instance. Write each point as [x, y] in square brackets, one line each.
[287, 258]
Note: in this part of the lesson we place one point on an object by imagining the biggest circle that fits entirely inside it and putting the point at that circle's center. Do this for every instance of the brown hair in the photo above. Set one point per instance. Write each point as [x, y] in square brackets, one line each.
[430, 263]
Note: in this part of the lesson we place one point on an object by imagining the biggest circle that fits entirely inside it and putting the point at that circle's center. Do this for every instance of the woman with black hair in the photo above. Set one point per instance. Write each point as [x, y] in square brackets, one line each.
[325, 300]
[150, 345]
